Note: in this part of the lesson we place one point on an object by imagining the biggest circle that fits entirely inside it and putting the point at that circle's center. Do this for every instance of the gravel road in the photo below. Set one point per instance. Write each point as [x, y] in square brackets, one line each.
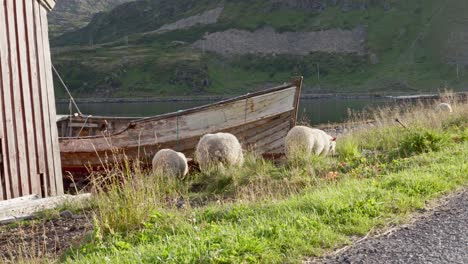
[441, 236]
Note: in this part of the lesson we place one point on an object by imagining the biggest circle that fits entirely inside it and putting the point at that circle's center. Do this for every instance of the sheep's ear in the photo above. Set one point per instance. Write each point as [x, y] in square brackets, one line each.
[334, 139]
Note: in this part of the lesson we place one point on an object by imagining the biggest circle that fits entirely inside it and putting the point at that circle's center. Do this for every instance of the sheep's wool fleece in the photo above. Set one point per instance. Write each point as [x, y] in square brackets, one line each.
[221, 149]
[444, 107]
[170, 162]
[301, 140]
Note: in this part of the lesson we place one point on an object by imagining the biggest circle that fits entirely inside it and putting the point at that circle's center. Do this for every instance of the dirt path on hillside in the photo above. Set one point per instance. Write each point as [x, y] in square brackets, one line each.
[440, 236]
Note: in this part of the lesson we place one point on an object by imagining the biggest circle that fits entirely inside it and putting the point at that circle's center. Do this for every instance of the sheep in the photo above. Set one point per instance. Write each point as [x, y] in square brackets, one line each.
[170, 162]
[306, 140]
[444, 107]
[219, 150]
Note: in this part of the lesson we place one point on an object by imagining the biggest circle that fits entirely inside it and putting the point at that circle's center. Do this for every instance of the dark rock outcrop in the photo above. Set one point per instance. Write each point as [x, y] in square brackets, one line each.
[69, 15]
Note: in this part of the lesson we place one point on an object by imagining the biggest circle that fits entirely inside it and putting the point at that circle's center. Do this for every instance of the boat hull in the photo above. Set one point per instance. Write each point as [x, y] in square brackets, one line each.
[259, 120]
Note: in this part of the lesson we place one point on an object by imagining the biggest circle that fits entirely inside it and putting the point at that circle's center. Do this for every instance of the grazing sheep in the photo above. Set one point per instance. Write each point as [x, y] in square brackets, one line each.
[221, 149]
[444, 107]
[170, 162]
[306, 140]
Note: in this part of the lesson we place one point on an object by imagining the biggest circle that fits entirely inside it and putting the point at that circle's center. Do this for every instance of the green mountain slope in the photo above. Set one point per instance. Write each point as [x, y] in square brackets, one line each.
[70, 15]
[191, 47]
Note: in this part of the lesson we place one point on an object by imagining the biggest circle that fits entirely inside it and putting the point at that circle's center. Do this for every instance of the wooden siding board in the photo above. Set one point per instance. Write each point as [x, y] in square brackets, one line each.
[57, 173]
[2, 179]
[48, 175]
[36, 156]
[36, 94]
[25, 96]
[41, 101]
[20, 106]
[16, 153]
[2, 161]
[8, 168]
[18, 87]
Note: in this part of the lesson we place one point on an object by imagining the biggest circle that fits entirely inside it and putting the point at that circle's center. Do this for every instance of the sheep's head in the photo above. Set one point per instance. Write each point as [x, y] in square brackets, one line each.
[332, 149]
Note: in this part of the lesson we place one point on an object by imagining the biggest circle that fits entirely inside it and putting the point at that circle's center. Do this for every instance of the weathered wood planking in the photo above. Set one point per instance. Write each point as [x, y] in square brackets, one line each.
[45, 178]
[26, 209]
[29, 164]
[9, 146]
[15, 89]
[56, 175]
[250, 138]
[258, 120]
[2, 177]
[3, 162]
[29, 178]
[35, 93]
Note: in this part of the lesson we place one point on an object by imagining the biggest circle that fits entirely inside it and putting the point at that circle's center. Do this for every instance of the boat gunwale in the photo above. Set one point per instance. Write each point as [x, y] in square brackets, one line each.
[296, 82]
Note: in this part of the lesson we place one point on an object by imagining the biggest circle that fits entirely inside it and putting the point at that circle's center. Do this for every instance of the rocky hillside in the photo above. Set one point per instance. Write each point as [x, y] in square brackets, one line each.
[149, 15]
[188, 47]
[70, 15]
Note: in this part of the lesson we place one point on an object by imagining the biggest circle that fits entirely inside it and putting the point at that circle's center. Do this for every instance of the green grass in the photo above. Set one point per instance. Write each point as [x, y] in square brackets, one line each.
[264, 212]
[288, 230]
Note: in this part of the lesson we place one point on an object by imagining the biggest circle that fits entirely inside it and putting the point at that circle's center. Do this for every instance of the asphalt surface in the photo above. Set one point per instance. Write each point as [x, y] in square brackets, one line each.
[440, 236]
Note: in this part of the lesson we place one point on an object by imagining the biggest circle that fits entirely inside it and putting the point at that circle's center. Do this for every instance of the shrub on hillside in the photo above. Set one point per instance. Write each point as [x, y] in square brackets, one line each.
[418, 142]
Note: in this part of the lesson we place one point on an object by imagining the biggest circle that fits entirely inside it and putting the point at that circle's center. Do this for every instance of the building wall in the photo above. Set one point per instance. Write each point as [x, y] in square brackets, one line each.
[30, 160]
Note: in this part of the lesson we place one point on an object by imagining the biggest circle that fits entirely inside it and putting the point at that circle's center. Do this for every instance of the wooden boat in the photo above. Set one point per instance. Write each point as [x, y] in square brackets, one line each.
[260, 120]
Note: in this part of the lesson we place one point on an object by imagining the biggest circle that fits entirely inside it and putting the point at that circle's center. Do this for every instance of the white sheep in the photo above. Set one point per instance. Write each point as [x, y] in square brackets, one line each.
[444, 107]
[170, 162]
[306, 140]
[219, 150]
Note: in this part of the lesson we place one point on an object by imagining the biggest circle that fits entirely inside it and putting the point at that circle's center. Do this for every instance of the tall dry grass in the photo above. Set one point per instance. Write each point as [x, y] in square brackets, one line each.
[127, 198]
[412, 113]
[383, 127]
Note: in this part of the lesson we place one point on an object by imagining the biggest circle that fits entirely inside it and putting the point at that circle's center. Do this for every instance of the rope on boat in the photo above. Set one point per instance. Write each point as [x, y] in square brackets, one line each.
[84, 124]
[177, 134]
[68, 91]
[245, 117]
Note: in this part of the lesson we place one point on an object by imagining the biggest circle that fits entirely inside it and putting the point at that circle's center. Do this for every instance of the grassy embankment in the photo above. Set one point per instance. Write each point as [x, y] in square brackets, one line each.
[276, 213]
[264, 212]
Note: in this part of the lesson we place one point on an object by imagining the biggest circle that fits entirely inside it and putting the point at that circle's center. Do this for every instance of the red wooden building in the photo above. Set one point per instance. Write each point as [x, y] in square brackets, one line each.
[29, 147]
